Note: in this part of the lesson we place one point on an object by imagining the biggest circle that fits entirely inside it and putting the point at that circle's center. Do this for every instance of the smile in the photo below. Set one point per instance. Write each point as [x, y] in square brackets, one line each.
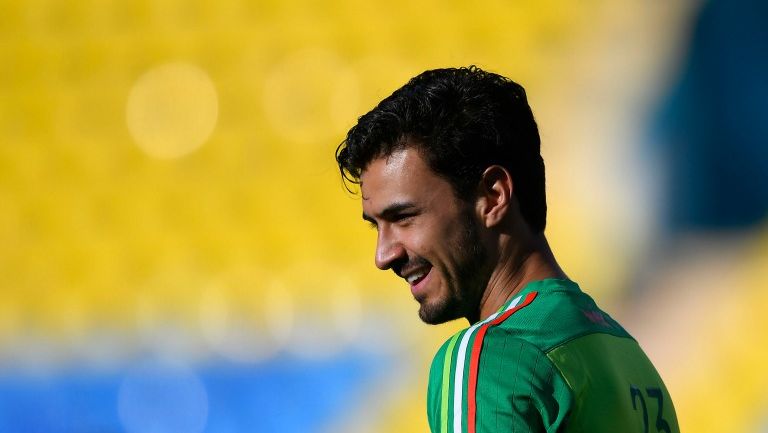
[416, 277]
[418, 280]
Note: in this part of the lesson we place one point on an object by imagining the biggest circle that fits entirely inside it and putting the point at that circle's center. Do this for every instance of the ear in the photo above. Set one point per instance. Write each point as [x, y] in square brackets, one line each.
[494, 195]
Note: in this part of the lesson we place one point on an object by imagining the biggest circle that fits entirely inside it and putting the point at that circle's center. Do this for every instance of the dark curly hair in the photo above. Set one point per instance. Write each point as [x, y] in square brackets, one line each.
[462, 120]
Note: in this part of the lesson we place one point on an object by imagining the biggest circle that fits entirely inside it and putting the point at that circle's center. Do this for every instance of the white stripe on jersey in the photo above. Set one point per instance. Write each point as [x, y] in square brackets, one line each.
[458, 385]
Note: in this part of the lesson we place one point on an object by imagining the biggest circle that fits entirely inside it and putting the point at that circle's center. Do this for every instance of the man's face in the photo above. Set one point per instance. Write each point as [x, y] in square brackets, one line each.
[426, 235]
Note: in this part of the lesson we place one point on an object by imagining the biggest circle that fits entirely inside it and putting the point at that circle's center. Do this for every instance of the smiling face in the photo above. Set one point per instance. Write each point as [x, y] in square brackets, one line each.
[426, 235]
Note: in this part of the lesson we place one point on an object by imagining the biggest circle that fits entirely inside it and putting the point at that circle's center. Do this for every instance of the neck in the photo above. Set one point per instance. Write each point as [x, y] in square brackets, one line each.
[518, 265]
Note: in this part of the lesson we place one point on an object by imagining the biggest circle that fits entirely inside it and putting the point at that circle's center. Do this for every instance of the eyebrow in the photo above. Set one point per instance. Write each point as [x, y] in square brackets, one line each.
[390, 211]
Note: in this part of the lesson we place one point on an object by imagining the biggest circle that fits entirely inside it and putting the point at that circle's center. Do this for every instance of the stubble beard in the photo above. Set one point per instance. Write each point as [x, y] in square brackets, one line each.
[462, 290]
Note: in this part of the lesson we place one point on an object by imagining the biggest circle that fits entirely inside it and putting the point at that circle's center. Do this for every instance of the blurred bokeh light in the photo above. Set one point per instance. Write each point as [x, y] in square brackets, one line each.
[178, 254]
[172, 110]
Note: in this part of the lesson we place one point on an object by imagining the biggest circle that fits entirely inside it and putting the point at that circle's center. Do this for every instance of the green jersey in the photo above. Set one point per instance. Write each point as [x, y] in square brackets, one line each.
[548, 361]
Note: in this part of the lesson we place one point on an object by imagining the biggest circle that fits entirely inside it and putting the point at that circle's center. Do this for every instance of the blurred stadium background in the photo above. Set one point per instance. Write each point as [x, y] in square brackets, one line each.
[177, 253]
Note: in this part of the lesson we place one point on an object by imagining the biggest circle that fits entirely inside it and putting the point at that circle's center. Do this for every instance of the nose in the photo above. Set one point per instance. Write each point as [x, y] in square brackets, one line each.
[388, 249]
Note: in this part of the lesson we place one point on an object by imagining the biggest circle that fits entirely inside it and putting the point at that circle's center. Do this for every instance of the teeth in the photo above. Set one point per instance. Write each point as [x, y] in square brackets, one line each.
[415, 277]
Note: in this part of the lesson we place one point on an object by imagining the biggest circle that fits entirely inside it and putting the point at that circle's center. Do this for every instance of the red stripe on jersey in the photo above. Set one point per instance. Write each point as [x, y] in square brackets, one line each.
[475, 360]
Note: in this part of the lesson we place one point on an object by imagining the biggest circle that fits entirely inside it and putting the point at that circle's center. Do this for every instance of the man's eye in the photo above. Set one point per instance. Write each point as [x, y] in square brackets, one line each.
[404, 218]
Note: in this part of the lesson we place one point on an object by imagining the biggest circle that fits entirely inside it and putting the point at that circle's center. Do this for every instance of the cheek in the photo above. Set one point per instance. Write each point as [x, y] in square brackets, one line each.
[424, 239]
[420, 246]
[435, 246]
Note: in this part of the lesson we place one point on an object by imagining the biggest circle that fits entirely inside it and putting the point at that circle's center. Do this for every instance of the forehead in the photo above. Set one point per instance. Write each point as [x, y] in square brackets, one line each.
[403, 176]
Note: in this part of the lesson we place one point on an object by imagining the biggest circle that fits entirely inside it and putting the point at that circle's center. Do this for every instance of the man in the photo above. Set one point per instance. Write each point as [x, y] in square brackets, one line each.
[452, 179]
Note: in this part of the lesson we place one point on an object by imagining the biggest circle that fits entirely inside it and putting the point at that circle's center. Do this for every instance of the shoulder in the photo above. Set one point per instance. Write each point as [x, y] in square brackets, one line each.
[461, 351]
[441, 386]
[487, 377]
[559, 313]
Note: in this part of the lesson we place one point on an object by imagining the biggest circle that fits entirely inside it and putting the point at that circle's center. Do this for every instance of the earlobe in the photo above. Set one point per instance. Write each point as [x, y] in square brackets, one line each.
[495, 195]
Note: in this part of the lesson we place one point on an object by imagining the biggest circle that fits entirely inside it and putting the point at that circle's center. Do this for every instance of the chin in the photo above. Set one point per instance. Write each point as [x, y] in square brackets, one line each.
[437, 312]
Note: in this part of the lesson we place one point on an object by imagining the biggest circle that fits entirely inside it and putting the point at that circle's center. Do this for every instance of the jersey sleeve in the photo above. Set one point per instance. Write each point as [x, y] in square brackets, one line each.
[501, 384]
[439, 378]
[518, 388]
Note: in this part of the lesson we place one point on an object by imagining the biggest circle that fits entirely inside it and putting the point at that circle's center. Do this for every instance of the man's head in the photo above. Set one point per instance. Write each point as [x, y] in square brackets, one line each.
[424, 157]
